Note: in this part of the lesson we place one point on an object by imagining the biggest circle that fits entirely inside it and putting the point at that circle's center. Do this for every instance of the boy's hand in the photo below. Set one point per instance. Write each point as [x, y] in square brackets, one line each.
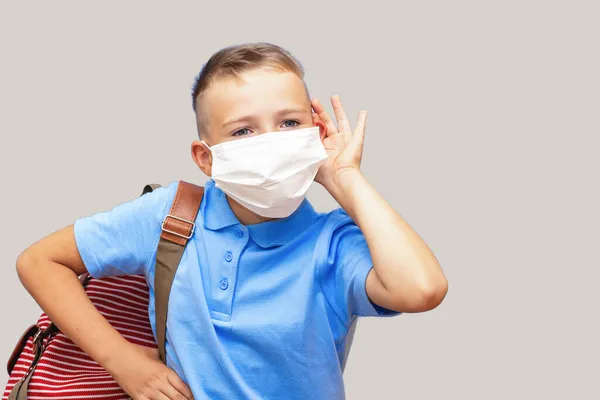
[142, 376]
[343, 147]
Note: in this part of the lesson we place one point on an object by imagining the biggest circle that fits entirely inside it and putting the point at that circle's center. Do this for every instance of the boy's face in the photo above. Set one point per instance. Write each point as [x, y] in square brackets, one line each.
[262, 101]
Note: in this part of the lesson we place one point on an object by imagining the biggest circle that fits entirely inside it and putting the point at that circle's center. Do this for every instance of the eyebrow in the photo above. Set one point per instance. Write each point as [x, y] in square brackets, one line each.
[288, 110]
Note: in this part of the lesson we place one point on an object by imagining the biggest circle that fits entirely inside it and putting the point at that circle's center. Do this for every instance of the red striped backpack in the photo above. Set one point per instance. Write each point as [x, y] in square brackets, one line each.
[47, 365]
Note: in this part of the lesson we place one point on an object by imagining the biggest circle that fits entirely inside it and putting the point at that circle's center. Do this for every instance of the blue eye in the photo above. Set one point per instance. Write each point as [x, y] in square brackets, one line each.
[238, 132]
[246, 131]
[291, 120]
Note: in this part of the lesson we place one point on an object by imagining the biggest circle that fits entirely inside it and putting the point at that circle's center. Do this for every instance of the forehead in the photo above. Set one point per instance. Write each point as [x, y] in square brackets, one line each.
[256, 92]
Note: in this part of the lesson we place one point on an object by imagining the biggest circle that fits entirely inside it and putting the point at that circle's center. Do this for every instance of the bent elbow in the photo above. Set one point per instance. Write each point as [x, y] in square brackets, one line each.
[433, 294]
[23, 265]
[420, 299]
[26, 266]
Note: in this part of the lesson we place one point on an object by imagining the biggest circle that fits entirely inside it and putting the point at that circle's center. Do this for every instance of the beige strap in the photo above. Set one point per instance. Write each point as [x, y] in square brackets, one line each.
[19, 391]
[177, 228]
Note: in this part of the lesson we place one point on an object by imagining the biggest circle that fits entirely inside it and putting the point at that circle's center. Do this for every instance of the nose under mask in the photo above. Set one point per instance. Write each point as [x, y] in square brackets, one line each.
[270, 173]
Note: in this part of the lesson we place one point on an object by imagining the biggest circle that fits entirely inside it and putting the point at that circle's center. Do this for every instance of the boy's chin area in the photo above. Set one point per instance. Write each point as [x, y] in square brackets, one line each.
[246, 216]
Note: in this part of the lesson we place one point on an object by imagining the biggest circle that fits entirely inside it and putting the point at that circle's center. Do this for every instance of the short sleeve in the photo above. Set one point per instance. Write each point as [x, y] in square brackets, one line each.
[345, 272]
[121, 241]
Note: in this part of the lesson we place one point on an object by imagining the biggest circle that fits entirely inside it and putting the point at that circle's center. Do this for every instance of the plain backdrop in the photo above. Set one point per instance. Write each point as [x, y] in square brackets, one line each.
[483, 132]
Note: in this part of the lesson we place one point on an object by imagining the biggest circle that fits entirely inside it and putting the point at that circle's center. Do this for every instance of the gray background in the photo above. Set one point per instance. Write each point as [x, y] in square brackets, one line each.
[482, 132]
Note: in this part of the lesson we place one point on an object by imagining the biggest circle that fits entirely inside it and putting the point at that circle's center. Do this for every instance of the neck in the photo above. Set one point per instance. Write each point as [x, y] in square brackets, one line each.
[245, 216]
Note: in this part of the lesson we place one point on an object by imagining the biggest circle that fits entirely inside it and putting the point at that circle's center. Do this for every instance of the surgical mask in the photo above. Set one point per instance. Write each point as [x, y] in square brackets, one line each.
[269, 173]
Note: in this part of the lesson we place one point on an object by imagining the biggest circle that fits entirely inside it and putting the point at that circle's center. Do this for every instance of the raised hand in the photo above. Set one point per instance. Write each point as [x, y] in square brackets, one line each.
[344, 147]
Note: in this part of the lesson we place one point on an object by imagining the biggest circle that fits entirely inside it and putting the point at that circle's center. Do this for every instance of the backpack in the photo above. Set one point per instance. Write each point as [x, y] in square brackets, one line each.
[45, 364]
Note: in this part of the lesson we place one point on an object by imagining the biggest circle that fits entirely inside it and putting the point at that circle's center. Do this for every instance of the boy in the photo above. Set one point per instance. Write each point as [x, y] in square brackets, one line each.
[267, 289]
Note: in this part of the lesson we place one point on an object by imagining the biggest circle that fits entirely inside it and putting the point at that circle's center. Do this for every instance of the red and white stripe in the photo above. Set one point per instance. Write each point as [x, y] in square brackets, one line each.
[64, 370]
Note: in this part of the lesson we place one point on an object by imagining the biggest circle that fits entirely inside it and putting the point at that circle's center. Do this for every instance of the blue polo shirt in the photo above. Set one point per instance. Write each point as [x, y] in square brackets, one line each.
[264, 311]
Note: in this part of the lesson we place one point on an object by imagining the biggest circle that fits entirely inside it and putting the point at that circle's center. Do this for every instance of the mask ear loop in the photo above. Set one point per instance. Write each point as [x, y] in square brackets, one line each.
[209, 150]
[206, 145]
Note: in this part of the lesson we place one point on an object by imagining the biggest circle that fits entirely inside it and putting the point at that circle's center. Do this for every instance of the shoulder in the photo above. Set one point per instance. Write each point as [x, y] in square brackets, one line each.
[334, 224]
[162, 197]
[163, 193]
[119, 240]
[140, 209]
[337, 233]
[156, 204]
[153, 205]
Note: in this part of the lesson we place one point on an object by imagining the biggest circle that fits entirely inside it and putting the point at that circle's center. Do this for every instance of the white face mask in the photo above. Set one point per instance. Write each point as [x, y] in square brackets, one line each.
[269, 173]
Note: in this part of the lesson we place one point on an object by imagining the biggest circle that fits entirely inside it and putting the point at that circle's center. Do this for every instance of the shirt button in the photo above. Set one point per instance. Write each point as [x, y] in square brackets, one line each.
[224, 283]
[240, 234]
[228, 256]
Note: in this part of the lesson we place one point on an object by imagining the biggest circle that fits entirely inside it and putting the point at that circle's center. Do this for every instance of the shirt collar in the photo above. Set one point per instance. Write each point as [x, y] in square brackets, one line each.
[218, 214]
[215, 208]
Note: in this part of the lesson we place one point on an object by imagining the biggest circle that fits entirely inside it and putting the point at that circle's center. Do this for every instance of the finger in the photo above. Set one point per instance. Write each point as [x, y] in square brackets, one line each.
[358, 138]
[340, 115]
[180, 385]
[158, 395]
[316, 118]
[320, 110]
[168, 392]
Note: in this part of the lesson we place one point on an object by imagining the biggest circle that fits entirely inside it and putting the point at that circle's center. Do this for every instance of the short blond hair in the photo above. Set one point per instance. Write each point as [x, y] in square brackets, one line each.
[233, 60]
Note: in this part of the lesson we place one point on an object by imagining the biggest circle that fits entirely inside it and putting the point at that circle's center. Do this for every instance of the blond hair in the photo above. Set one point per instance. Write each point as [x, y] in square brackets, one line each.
[236, 59]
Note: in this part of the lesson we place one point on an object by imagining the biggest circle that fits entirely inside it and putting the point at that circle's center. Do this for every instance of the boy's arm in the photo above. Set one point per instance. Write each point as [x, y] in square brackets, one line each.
[406, 276]
[49, 269]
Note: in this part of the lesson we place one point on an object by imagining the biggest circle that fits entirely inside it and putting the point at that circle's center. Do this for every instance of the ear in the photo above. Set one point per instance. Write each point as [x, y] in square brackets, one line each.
[202, 156]
[322, 127]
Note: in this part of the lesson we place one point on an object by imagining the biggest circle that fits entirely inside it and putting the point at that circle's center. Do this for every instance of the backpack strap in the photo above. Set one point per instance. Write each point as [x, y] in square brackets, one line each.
[177, 227]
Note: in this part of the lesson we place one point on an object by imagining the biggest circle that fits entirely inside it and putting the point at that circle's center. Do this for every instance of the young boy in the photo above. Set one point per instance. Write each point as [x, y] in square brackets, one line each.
[268, 289]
